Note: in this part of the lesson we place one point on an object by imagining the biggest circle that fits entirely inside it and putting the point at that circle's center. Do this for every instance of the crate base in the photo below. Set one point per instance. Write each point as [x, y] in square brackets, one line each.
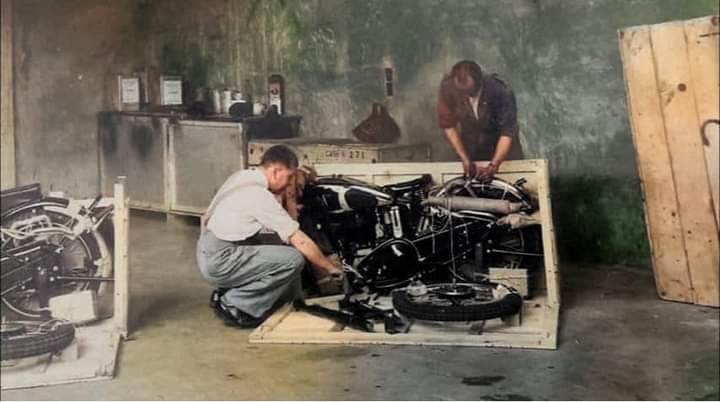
[95, 347]
[537, 330]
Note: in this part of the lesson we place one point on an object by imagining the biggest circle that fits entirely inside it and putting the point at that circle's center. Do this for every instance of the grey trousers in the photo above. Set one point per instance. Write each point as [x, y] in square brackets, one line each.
[259, 278]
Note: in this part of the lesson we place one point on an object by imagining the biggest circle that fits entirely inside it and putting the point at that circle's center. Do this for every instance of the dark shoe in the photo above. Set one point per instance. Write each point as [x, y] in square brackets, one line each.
[215, 296]
[234, 317]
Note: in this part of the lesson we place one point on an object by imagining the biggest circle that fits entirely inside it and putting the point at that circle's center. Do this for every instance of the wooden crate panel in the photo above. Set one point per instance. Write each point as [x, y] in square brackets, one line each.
[7, 109]
[665, 102]
[318, 150]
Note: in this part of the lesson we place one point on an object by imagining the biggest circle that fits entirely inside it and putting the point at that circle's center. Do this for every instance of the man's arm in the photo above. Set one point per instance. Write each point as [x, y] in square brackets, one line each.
[311, 251]
[501, 152]
[453, 137]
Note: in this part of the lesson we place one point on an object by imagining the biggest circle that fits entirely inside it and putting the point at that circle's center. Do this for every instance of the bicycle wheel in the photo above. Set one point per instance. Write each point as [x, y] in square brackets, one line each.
[49, 220]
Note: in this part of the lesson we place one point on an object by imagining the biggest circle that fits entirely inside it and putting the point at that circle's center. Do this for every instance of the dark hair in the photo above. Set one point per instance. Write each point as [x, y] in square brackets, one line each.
[466, 68]
[280, 154]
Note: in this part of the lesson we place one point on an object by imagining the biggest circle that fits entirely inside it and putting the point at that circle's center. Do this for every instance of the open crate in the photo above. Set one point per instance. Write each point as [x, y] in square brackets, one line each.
[538, 323]
[93, 352]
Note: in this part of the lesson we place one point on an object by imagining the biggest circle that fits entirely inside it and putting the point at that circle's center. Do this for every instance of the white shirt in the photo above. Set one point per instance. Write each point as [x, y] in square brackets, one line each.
[248, 208]
[474, 103]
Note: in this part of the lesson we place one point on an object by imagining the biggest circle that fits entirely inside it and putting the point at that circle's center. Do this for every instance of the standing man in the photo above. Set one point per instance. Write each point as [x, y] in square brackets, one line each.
[479, 118]
[253, 275]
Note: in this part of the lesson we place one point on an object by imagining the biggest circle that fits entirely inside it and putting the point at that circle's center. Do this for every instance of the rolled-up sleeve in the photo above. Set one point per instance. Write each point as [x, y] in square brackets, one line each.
[271, 215]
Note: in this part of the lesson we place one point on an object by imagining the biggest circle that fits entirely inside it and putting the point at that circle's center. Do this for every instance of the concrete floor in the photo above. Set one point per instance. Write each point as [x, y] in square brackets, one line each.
[617, 341]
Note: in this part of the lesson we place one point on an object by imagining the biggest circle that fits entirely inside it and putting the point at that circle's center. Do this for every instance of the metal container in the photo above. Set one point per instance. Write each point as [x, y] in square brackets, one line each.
[226, 101]
[216, 101]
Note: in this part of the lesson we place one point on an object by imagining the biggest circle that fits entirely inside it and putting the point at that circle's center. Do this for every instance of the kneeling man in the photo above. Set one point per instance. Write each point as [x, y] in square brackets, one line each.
[252, 275]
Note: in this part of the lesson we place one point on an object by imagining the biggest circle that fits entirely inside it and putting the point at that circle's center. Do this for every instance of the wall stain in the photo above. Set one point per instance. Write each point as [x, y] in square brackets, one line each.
[507, 397]
[482, 380]
[142, 138]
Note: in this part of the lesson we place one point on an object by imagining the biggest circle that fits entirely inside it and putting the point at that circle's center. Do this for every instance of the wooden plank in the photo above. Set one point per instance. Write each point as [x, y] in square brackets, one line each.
[687, 159]
[296, 327]
[672, 276]
[552, 274]
[121, 260]
[703, 41]
[7, 97]
[322, 150]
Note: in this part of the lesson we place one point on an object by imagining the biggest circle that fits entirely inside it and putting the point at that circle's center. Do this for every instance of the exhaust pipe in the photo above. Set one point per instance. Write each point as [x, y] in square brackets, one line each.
[476, 204]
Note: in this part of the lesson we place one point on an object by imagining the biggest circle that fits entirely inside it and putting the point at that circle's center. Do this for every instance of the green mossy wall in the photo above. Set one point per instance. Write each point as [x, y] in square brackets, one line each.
[560, 56]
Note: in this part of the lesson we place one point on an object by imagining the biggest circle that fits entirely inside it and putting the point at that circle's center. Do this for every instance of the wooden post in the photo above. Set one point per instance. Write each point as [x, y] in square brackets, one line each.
[121, 269]
[7, 107]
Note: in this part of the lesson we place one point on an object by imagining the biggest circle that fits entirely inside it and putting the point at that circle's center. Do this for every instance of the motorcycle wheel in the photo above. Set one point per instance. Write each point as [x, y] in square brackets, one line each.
[87, 254]
[22, 339]
[485, 301]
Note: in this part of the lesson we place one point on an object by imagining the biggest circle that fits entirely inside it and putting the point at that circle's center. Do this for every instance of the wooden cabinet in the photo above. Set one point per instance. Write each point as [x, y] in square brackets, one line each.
[202, 155]
[134, 145]
[176, 165]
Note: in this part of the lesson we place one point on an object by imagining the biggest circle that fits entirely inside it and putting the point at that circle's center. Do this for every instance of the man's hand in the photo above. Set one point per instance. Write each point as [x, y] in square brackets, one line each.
[469, 168]
[335, 270]
[487, 172]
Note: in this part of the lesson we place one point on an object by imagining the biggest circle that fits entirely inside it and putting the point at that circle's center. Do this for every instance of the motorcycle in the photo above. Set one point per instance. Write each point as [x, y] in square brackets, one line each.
[430, 247]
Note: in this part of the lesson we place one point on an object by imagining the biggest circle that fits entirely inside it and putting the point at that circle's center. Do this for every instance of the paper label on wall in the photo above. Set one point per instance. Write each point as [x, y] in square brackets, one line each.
[129, 90]
[172, 92]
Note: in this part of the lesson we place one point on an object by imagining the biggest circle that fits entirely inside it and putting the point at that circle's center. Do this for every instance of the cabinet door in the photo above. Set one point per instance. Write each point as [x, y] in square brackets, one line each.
[202, 156]
[134, 146]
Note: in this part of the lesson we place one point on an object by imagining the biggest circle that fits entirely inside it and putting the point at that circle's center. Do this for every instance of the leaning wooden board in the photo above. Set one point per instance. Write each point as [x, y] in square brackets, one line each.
[539, 319]
[666, 74]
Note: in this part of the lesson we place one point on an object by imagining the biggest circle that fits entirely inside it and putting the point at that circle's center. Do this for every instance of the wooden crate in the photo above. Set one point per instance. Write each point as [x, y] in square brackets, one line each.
[671, 78]
[93, 354]
[539, 323]
[318, 150]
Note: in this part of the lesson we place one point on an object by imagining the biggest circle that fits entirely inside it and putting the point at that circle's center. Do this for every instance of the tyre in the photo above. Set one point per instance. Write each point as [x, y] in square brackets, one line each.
[33, 338]
[441, 302]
